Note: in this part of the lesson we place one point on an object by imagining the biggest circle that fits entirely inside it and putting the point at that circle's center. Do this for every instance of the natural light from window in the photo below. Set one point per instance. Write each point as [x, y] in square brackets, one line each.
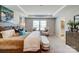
[39, 24]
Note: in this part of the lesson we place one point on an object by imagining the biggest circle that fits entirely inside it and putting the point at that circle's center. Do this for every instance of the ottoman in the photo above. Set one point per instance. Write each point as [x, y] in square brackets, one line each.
[44, 43]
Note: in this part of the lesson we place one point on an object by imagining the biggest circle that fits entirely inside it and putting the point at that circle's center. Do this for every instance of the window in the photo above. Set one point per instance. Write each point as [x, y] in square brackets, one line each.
[42, 25]
[39, 24]
[36, 24]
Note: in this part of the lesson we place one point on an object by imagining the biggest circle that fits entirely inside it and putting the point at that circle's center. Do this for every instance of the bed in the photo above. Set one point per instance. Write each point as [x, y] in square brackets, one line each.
[32, 42]
[10, 45]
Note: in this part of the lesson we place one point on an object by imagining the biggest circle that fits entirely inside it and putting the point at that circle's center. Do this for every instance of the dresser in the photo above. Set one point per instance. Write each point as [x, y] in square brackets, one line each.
[72, 39]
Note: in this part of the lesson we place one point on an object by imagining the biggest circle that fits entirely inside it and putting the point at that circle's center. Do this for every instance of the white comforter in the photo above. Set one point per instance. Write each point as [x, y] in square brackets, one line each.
[32, 41]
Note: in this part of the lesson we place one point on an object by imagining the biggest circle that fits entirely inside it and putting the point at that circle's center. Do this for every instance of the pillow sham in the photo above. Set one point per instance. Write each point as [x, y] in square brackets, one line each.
[8, 33]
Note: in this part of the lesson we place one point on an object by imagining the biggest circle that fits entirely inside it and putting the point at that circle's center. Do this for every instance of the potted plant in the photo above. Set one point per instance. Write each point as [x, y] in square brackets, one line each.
[71, 24]
[76, 26]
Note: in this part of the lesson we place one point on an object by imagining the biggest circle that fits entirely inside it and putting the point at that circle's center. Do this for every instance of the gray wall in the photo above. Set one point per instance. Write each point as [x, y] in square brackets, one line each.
[50, 25]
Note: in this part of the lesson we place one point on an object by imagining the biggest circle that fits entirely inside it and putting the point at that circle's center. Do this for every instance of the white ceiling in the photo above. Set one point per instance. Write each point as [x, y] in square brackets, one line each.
[35, 9]
[69, 10]
[13, 7]
[45, 9]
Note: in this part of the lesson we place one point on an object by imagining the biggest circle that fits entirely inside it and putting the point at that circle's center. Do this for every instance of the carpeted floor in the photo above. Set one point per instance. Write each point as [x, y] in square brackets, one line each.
[58, 46]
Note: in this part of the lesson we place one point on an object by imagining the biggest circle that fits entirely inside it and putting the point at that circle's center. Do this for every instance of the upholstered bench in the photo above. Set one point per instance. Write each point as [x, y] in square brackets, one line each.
[44, 43]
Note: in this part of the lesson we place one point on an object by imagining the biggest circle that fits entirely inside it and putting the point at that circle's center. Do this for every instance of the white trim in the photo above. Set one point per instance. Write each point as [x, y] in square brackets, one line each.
[59, 10]
[21, 9]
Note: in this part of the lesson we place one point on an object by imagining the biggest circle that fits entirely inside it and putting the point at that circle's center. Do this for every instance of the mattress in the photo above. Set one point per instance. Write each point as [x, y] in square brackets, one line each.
[32, 41]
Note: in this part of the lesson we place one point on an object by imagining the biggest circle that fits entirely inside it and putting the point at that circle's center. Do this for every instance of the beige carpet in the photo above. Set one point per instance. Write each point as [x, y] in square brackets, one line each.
[58, 46]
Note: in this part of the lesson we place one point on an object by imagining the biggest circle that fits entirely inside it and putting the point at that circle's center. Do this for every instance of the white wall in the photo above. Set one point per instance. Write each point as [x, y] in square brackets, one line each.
[17, 16]
[60, 32]
[57, 26]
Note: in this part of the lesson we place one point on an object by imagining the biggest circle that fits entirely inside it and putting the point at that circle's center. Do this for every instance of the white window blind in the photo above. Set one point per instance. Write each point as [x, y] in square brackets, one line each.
[36, 24]
[39, 24]
[43, 24]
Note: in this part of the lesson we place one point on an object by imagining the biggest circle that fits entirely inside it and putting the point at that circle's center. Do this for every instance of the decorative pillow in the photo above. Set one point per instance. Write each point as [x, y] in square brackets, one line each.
[22, 32]
[8, 33]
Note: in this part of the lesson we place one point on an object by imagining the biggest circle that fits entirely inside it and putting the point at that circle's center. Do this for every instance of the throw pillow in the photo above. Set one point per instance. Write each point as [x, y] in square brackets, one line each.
[8, 33]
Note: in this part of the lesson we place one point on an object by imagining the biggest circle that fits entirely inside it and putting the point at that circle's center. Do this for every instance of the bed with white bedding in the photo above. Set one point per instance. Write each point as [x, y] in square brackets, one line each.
[32, 42]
